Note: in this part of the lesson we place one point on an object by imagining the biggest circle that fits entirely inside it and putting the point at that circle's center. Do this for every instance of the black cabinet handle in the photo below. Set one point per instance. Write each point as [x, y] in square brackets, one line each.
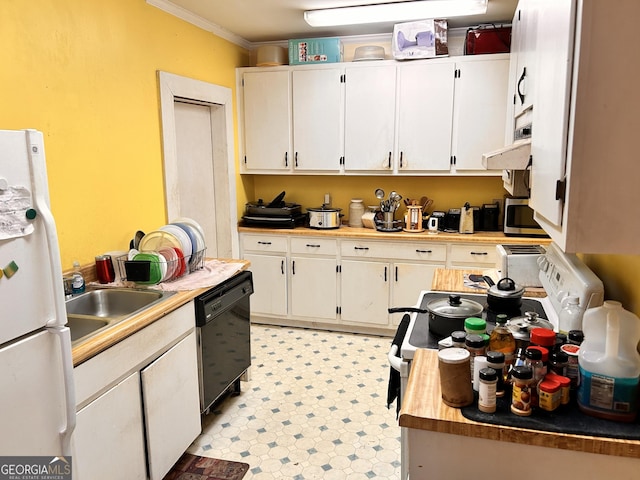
[401, 153]
[264, 243]
[286, 159]
[396, 274]
[385, 274]
[296, 160]
[424, 251]
[389, 159]
[520, 94]
[282, 267]
[313, 245]
[361, 248]
[293, 267]
[479, 253]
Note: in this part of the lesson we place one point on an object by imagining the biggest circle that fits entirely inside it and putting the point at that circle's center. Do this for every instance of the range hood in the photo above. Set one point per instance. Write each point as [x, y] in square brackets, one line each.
[511, 157]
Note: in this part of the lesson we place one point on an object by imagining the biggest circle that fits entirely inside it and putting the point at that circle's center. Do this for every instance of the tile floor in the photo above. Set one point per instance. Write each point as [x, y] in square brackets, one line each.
[314, 408]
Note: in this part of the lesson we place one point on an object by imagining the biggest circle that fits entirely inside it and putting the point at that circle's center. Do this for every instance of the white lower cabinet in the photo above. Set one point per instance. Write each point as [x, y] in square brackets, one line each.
[169, 403]
[409, 279]
[314, 287]
[138, 402]
[473, 256]
[269, 283]
[365, 292]
[109, 435]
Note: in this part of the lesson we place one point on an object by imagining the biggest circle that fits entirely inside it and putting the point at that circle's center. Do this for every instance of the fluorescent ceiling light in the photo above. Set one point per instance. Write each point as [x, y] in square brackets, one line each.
[394, 12]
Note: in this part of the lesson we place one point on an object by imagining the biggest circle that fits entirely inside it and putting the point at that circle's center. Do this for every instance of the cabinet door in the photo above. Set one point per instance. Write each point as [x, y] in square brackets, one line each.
[314, 287]
[171, 400]
[267, 121]
[318, 119]
[473, 256]
[409, 279]
[523, 55]
[425, 113]
[479, 110]
[365, 292]
[270, 284]
[370, 100]
[551, 111]
[109, 437]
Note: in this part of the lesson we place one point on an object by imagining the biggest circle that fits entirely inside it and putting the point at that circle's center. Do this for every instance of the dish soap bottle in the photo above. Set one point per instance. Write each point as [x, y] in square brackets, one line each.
[77, 282]
[570, 317]
[609, 363]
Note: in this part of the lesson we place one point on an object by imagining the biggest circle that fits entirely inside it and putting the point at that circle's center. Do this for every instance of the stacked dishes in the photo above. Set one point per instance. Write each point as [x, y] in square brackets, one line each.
[170, 252]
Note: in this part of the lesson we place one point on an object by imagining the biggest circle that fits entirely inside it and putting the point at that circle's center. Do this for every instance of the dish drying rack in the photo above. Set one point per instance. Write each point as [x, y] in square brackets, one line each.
[145, 272]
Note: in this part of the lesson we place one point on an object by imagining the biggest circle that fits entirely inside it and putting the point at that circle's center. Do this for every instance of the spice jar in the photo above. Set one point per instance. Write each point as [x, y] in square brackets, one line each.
[575, 337]
[457, 338]
[475, 325]
[475, 346]
[549, 395]
[522, 378]
[565, 387]
[573, 369]
[558, 363]
[533, 359]
[496, 360]
[487, 391]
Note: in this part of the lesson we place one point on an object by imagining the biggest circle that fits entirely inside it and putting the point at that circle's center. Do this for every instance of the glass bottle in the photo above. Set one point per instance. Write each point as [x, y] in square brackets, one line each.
[502, 340]
[533, 360]
[521, 393]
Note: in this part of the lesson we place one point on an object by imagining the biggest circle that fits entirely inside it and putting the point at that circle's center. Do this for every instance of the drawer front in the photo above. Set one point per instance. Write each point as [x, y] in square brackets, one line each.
[264, 243]
[415, 251]
[480, 254]
[310, 245]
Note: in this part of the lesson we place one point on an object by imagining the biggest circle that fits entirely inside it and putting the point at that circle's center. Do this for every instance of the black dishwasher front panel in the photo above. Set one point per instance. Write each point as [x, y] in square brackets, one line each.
[223, 326]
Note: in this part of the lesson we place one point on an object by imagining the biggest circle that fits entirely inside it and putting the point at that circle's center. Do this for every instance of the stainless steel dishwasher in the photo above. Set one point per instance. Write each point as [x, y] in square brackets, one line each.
[224, 338]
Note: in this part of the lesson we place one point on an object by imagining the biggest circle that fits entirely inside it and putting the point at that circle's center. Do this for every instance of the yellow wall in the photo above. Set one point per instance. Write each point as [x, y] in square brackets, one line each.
[84, 73]
[446, 192]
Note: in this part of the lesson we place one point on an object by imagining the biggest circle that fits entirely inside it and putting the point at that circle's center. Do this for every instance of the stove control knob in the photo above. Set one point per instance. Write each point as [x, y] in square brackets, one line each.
[543, 264]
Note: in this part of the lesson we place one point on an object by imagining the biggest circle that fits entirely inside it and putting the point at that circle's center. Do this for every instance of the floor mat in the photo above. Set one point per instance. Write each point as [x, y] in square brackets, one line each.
[194, 467]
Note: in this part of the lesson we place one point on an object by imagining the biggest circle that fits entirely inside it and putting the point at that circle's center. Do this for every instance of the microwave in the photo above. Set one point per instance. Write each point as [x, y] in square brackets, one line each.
[518, 219]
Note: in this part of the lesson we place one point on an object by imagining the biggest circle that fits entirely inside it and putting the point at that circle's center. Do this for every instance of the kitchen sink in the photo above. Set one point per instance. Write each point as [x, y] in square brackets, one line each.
[96, 310]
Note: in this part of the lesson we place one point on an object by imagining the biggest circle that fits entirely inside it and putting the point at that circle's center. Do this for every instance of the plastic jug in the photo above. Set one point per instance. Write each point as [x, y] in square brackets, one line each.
[609, 363]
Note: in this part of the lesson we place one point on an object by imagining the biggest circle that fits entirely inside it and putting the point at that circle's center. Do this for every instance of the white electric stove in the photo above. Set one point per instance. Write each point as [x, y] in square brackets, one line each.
[560, 274]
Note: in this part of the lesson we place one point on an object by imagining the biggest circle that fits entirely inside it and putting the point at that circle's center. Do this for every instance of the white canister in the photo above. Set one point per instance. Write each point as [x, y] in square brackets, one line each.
[356, 210]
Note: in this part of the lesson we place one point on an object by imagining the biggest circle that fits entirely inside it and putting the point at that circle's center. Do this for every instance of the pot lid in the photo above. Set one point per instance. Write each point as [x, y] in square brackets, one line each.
[506, 288]
[454, 307]
[324, 208]
[521, 326]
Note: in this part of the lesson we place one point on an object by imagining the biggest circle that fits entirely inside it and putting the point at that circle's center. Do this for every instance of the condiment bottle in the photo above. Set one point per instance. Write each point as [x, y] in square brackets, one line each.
[479, 362]
[570, 317]
[575, 337]
[521, 394]
[565, 387]
[77, 282]
[572, 371]
[475, 325]
[495, 360]
[542, 337]
[487, 391]
[502, 340]
[475, 346]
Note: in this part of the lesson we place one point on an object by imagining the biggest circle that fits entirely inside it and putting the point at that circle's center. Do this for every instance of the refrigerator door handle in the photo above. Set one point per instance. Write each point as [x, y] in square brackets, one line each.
[64, 334]
[36, 158]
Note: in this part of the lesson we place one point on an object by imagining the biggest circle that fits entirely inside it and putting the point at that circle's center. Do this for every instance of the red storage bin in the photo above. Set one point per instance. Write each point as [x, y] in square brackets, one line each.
[487, 39]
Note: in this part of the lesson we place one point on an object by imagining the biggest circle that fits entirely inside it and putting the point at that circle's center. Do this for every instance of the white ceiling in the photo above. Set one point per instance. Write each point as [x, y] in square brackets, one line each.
[254, 21]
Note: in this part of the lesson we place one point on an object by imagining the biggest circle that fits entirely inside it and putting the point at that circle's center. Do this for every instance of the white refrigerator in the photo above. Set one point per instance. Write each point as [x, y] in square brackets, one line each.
[37, 394]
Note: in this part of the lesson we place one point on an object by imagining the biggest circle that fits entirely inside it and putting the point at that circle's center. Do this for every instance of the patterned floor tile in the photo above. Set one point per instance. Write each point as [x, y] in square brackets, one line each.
[313, 408]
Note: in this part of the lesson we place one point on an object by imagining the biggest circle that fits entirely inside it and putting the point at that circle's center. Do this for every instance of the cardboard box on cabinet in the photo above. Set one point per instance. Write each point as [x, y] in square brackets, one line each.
[303, 51]
[422, 39]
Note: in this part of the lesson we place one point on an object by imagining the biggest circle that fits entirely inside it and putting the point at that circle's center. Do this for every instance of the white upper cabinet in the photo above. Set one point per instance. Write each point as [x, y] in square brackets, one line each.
[267, 121]
[425, 116]
[479, 106]
[523, 57]
[370, 106]
[318, 121]
[584, 123]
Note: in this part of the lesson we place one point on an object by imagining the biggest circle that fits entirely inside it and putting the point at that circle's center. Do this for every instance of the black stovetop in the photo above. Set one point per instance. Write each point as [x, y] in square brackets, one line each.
[421, 337]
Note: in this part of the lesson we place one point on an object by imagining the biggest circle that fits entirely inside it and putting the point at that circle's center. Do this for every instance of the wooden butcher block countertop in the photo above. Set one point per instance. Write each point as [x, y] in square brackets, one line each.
[422, 408]
[450, 280]
[368, 233]
[92, 346]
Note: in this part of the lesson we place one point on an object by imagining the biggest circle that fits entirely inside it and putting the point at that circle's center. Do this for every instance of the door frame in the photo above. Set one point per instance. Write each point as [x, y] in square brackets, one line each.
[177, 88]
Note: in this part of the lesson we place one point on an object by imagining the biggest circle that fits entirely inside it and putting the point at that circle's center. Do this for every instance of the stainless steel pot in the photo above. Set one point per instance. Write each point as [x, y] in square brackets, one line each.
[324, 217]
[448, 314]
[504, 296]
